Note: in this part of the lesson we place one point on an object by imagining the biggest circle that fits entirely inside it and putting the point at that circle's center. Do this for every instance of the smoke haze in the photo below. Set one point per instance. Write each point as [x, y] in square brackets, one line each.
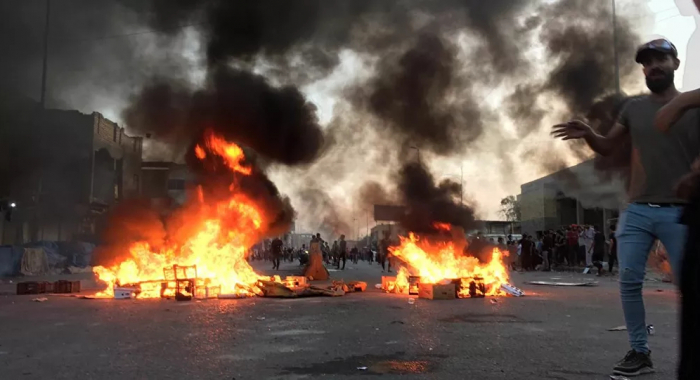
[433, 82]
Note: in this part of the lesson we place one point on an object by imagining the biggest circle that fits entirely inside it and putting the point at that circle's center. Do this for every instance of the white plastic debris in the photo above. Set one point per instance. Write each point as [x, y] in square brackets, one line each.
[124, 293]
[362, 368]
[493, 301]
[512, 290]
[378, 286]
[40, 299]
[619, 377]
[411, 301]
[260, 318]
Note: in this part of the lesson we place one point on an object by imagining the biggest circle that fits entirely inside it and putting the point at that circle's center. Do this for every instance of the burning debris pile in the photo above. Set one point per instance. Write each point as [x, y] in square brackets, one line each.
[431, 265]
[204, 254]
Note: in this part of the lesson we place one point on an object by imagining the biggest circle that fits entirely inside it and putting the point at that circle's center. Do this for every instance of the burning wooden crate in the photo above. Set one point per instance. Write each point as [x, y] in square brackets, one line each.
[470, 287]
[437, 291]
[180, 281]
[392, 284]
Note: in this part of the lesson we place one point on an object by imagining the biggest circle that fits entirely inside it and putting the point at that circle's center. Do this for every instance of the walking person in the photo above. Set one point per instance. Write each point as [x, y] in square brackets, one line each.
[658, 161]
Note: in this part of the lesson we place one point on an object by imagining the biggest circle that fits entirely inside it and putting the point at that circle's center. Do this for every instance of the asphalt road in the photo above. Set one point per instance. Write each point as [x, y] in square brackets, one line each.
[552, 333]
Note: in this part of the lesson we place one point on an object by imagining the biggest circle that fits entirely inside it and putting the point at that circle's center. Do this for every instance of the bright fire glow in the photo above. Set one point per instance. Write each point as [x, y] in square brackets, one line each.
[217, 234]
[436, 262]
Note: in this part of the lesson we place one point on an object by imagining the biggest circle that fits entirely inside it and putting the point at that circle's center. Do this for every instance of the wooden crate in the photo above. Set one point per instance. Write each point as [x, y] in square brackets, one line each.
[436, 291]
[63, 286]
[34, 287]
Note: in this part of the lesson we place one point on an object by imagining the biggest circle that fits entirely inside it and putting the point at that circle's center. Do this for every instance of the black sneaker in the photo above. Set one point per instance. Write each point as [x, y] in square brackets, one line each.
[634, 363]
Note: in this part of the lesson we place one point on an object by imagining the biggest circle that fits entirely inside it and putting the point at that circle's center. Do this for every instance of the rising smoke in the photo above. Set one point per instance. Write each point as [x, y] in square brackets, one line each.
[431, 65]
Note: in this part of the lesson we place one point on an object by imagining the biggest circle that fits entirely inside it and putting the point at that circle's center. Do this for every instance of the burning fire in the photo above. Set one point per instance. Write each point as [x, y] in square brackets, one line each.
[219, 232]
[441, 262]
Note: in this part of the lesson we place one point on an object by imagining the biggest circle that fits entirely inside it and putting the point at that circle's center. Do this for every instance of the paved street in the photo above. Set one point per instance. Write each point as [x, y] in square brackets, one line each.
[553, 333]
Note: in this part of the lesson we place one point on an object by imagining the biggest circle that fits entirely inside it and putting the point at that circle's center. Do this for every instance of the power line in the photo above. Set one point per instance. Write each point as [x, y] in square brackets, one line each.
[114, 36]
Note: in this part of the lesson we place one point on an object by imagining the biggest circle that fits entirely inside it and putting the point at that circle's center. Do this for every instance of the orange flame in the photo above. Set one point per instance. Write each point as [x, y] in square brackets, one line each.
[230, 152]
[219, 233]
[439, 261]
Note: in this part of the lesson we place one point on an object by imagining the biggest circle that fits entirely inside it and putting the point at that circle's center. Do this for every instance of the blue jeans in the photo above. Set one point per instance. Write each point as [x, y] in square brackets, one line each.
[638, 227]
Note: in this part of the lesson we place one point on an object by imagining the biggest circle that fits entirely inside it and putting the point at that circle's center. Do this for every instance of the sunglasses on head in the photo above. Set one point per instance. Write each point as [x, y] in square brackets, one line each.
[659, 44]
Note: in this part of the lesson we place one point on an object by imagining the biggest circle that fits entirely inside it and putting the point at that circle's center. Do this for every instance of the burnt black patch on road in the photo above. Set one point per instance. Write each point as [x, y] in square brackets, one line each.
[396, 364]
[485, 318]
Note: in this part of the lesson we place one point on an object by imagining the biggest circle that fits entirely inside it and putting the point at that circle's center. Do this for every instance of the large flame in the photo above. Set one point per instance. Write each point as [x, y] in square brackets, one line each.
[218, 232]
[438, 262]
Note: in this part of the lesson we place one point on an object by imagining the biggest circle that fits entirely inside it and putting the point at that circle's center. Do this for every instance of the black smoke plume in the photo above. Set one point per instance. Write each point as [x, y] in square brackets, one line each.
[428, 202]
[278, 123]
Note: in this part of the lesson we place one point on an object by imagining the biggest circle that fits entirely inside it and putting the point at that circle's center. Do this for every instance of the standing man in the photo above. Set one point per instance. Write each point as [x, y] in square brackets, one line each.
[384, 251]
[342, 251]
[659, 160]
[276, 248]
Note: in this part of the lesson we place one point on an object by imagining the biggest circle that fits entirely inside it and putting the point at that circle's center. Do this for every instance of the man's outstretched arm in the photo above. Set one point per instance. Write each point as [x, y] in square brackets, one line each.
[603, 145]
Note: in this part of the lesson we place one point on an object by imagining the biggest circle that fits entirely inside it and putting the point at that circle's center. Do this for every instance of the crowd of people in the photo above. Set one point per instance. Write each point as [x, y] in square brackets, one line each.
[570, 246]
[336, 254]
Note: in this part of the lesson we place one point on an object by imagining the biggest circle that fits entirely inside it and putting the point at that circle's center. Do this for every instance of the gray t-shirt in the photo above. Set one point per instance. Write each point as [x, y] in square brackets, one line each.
[659, 159]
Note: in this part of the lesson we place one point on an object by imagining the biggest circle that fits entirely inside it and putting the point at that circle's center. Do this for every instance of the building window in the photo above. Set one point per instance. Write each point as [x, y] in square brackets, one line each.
[176, 184]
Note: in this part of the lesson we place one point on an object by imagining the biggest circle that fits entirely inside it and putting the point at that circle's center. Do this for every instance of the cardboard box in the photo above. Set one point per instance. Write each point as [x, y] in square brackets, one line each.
[436, 291]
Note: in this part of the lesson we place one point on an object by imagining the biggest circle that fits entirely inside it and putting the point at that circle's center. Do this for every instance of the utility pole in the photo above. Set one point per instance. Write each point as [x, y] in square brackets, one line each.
[461, 184]
[615, 52]
[46, 54]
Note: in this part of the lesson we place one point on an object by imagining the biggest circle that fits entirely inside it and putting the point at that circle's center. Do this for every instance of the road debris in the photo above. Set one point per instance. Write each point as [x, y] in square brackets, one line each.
[512, 290]
[618, 328]
[362, 368]
[40, 299]
[260, 318]
[552, 283]
[619, 377]
[493, 301]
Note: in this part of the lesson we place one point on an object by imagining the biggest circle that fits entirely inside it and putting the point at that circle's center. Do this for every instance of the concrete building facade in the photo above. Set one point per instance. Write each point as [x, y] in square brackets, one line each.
[575, 195]
[63, 169]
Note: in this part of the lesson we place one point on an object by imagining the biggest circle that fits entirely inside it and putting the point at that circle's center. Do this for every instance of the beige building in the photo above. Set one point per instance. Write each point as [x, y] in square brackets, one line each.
[575, 195]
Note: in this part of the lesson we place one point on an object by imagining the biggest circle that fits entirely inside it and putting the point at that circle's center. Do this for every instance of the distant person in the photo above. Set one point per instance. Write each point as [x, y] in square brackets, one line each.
[342, 251]
[598, 250]
[384, 245]
[588, 239]
[612, 251]
[276, 248]
[354, 253]
[659, 161]
[572, 243]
